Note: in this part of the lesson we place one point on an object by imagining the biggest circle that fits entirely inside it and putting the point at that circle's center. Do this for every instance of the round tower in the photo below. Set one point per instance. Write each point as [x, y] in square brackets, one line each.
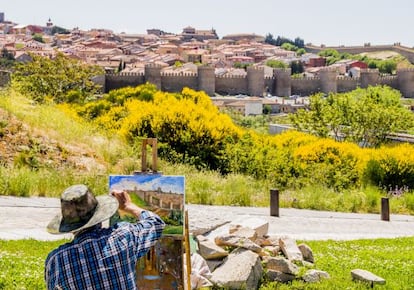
[153, 75]
[369, 77]
[328, 80]
[405, 79]
[206, 79]
[255, 81]
[283, 81]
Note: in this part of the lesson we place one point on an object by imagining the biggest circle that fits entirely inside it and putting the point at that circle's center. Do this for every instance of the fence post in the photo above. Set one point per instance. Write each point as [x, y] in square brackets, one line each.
[274, 202]
[385, 209]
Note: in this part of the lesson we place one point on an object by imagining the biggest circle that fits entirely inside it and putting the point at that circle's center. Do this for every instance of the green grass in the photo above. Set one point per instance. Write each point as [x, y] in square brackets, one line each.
[390, 259]
[22, 263]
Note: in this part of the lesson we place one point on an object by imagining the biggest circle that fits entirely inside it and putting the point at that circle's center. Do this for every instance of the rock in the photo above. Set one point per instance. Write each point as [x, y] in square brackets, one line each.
[213, 264]
[243, 232]
[268, 241]
[306, 253]
[242, 269]
[235, 241]
[260, 226]
[290, 249]
[366, 276]
[271, 250]
[313, 275]
[281, 264]
[278, 276]
[209, 250]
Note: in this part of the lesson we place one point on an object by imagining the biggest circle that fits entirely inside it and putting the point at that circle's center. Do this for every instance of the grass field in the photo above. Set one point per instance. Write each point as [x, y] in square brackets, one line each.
[22, 263]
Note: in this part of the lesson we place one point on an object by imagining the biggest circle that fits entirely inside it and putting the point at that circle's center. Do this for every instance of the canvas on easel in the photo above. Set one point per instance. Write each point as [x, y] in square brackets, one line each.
[162, 267]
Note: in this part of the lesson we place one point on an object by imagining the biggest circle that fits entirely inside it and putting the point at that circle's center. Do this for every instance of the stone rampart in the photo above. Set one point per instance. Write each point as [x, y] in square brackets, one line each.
[255, 83]
[305, 86]
[404, 51]
[346, 84]
[117, 81]
[176, 82]
[231, 85]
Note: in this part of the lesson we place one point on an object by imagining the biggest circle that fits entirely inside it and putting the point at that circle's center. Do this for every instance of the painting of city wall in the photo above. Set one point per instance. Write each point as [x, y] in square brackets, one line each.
[162, 267]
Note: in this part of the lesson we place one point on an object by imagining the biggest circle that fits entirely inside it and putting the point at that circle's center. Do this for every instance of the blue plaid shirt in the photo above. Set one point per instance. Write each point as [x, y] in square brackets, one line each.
[103, 258]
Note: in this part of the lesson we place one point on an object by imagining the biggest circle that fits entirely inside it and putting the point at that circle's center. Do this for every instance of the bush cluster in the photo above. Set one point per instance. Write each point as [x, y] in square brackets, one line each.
[190, 129]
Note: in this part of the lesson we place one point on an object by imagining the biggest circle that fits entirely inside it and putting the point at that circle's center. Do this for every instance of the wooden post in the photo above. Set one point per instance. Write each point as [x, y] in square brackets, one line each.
[153, 143]
[385, 209]
[274, 202]
[187, 250]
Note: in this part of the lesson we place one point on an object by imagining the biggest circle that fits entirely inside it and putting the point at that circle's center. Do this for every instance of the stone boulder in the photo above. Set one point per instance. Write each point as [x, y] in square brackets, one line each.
[209, 250]
[278, 276]
[313, 275]
[281, 264]
[242, 269]
[290, 249]
[366, 276]
[235, 241]
[306, 253]
[260, 226]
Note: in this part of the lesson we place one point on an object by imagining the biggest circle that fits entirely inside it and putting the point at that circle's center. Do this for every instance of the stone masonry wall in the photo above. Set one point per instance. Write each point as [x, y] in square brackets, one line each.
[256, 85]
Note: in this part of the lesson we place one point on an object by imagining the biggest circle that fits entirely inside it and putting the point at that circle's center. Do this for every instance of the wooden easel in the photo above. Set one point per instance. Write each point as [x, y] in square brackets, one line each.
[153, 143]
[187, 250]
[144, 170]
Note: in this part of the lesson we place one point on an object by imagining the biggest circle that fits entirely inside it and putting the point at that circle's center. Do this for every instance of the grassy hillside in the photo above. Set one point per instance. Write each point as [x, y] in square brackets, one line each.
[45, 148]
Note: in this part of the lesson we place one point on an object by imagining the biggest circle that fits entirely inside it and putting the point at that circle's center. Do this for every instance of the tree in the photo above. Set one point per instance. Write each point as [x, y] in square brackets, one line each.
[276, 63]
[38, 37]
[299, 42]
[269, 39]
[59, 30]
[363, 116]
[44, 78]
[297, 67]
[289, 46]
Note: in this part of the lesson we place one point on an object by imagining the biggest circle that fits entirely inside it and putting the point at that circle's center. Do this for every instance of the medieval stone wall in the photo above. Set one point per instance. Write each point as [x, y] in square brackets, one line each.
[256, 84]
[305, 86]
[346, 84]
[176, 82]
[231, 85]
[116, 81]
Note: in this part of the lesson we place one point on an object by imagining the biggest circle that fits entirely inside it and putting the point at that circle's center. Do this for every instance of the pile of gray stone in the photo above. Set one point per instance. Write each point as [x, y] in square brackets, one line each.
[240, 258]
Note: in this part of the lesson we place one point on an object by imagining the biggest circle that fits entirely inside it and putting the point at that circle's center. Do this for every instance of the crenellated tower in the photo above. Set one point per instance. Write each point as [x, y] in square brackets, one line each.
[255, 81]
[153, 74]
[328, 82]
[206, 79]
[405, 78]
[369, 77]
[283, 81]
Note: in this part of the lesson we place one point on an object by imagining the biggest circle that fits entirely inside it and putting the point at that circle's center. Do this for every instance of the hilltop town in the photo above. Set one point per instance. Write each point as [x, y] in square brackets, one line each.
[180, 52]
[232, 65]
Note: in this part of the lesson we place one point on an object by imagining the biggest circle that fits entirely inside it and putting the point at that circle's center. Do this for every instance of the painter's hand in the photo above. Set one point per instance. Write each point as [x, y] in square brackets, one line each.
[123, 198]
[125, 202]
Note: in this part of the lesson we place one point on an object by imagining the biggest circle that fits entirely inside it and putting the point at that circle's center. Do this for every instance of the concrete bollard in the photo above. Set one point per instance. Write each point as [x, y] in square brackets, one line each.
[274, 202]
[385, 209]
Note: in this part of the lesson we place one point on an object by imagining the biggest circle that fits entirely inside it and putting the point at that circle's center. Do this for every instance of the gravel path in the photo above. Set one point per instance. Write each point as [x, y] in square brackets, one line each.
[23, 218]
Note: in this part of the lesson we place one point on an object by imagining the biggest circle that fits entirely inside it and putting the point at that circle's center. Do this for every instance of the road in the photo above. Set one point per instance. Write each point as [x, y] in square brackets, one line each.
[25, 218]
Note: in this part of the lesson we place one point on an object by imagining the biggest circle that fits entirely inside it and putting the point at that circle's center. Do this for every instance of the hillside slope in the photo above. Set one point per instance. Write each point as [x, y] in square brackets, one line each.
[21, 144]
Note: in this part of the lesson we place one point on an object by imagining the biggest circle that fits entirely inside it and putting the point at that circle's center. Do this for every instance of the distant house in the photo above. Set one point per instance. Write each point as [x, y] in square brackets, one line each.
[316, 62]
[200, 35]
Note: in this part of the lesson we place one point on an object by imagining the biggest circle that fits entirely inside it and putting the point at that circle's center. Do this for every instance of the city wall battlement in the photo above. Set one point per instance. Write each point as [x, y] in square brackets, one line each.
[255, 83]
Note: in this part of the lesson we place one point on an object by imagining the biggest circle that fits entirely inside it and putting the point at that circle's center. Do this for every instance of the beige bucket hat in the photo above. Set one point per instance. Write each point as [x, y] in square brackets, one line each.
[80, 209]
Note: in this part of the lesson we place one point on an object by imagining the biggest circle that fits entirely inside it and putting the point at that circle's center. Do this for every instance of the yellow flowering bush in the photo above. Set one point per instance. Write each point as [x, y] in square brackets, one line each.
[391, 167]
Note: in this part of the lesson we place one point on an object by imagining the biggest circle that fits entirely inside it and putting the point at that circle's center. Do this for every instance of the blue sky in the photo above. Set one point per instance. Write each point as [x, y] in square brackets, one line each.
[329, 22]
